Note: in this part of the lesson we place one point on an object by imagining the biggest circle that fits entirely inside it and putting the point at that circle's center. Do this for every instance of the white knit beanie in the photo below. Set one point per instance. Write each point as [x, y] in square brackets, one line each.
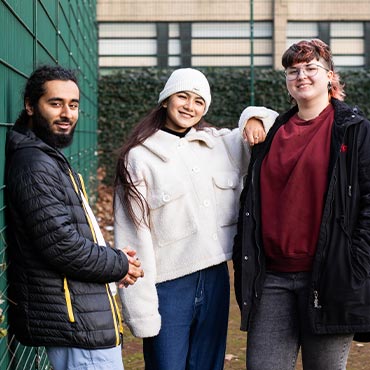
[187, 79]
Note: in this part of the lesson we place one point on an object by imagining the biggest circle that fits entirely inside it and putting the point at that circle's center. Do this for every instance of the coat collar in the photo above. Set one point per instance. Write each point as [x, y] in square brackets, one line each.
[164, 144]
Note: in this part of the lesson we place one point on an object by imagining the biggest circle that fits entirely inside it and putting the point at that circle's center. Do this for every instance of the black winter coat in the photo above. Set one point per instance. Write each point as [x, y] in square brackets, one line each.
[58, 275]
[339, 299]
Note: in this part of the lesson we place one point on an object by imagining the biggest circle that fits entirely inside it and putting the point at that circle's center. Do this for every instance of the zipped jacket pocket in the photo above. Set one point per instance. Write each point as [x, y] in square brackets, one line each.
[67, 295]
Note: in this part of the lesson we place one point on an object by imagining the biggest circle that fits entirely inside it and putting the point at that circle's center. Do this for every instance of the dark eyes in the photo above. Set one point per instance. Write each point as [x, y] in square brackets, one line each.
[57, 104]
[198, 101]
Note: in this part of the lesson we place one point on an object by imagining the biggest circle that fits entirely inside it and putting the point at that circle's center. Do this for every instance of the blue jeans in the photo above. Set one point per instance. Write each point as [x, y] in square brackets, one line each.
[194, 311]
[280, 328]
[69, 358]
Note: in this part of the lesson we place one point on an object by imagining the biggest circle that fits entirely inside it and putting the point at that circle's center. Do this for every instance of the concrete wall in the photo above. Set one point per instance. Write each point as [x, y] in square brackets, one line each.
[278, 11]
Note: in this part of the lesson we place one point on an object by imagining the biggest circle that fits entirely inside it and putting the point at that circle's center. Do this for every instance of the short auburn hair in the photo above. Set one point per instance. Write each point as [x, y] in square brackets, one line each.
[306, 51]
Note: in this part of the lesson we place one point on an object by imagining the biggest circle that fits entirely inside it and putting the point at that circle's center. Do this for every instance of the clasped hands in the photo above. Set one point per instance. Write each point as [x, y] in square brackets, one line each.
[134, 270]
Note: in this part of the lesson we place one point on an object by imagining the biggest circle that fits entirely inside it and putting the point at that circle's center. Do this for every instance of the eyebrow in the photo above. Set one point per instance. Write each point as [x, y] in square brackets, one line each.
[190, 93]
[60, 99]
[304, 64]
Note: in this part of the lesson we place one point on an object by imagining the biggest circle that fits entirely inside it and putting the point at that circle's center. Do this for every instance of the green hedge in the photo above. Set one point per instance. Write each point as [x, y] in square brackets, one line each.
[126, 96]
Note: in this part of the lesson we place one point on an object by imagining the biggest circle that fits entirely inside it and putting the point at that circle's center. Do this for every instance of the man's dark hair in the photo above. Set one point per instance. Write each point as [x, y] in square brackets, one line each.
[35, 86]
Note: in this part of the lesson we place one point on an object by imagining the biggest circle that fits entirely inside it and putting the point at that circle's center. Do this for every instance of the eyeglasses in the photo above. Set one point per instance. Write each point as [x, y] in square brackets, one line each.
[309, 70]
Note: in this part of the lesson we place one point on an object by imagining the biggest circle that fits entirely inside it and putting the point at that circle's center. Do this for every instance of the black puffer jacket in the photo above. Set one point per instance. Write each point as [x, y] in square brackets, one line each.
[340, 290]
[58, 276]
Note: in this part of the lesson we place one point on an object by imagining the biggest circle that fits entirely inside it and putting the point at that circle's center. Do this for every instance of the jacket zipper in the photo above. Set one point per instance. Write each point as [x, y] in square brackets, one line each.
[118, 327]
[316, 299]
[115, 315]
[257, 243]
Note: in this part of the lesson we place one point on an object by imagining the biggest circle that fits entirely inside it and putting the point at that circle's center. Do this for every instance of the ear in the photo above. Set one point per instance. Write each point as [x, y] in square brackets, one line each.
[28, 107]
[165, 102]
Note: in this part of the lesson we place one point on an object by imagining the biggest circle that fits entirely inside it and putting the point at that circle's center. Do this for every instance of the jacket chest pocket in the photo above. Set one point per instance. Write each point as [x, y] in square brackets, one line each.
[172, 216]
[227, 187]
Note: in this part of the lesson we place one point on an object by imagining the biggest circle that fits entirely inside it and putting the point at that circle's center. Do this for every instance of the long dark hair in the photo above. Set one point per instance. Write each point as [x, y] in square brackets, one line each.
[124, 186]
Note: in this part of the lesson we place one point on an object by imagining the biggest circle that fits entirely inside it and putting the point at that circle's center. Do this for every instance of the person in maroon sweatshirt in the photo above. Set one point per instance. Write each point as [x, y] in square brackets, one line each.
[302, 251]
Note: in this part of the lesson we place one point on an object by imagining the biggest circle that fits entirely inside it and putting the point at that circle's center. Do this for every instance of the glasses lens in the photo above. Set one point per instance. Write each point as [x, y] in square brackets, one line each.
[310, 70]
[291, 73]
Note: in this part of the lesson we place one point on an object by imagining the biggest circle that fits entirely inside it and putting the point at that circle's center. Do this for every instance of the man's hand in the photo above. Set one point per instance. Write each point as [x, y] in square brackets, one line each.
[254, 131]
[134, 271]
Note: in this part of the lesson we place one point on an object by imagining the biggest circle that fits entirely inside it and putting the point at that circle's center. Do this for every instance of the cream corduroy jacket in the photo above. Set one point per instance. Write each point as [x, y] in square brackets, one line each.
[192, 186]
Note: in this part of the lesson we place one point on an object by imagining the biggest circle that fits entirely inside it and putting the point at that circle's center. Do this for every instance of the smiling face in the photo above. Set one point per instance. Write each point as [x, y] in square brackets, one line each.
[311, 81]
[184, 109]
[55, 116]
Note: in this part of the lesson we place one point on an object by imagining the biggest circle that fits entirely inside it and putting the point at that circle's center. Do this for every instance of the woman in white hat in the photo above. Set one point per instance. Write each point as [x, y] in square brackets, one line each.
[177, 191]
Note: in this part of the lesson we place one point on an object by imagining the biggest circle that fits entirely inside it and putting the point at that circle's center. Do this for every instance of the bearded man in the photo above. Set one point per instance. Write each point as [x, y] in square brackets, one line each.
[59, 264]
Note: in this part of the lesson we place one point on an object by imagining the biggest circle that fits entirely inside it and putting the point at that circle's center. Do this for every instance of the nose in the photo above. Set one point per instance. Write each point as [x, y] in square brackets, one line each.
[66, 111]
[299, 71]
[189, 104]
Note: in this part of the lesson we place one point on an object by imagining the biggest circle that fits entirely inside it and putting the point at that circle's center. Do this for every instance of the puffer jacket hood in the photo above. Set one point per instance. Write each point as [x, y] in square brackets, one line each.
[21, 137]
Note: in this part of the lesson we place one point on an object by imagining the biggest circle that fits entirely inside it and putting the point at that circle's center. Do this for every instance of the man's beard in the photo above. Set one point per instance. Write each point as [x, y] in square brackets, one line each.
[41, 128]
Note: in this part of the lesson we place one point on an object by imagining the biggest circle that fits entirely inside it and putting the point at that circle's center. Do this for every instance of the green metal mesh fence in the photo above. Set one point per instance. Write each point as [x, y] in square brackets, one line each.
[33, 33]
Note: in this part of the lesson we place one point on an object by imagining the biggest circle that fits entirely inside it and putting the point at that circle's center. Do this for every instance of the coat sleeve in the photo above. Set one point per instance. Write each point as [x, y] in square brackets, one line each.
[139, 301]
[48, 212]
[238, 148]
[361, 232]
[266, 115]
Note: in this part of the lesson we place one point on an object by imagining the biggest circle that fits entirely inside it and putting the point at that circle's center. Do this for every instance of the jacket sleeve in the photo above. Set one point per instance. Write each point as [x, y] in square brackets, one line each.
[361, 232]
[48, 211]
[237, 147]
[266, 115]
[139, 301]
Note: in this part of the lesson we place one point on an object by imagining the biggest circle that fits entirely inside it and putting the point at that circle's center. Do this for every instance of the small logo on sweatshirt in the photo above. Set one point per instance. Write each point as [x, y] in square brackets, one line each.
[343, 148]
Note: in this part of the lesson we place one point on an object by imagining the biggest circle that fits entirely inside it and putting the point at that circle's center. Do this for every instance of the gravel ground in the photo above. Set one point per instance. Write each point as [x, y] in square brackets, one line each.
[359, 358]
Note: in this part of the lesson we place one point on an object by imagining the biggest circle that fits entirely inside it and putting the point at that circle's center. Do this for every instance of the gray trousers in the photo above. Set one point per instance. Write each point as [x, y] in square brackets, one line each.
[280, 329]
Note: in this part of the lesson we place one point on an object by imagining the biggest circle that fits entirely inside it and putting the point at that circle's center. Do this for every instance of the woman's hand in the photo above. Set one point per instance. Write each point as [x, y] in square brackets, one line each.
[254, 131]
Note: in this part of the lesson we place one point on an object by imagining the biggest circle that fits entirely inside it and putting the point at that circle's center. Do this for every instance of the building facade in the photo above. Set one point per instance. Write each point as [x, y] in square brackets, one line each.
[229, 33]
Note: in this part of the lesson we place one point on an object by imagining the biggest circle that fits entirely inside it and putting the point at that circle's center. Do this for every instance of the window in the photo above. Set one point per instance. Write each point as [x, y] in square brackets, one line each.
[346, 40]
[348, 44]
[229, 44]
[195, 44]
[127, 45]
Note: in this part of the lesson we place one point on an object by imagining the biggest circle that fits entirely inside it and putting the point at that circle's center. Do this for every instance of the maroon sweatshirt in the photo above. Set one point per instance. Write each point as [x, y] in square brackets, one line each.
[293, 184]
